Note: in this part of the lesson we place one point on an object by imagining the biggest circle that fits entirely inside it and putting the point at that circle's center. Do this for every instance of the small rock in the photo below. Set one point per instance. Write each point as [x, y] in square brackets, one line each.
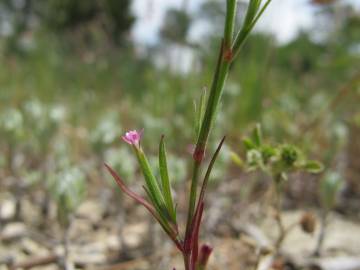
[13, 231]
[7, 210]
[113, 242]
[32, 247]
[91, 210]
[134, 234]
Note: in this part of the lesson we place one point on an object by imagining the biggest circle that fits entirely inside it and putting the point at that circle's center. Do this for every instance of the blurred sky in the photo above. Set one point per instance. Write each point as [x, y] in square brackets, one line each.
[284, 18]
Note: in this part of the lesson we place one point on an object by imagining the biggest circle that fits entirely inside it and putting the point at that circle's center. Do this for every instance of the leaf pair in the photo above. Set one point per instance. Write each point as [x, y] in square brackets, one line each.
[173, 234]
[161, 204]
[159, 194]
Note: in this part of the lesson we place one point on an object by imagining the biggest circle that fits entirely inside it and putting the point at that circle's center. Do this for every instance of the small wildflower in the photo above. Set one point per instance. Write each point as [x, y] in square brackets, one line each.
[132, 137]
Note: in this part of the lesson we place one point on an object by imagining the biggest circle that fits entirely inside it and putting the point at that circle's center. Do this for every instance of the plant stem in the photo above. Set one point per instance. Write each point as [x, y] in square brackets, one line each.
[321, 238]
[220, 75]
[66, 264]
[187, 262]
[278, 218]
[225, 58]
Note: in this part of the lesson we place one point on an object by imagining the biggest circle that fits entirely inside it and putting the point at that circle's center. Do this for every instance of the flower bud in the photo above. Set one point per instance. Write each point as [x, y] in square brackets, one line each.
[205, 252]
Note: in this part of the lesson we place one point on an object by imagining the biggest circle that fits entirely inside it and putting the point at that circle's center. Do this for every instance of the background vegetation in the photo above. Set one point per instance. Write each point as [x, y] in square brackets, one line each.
[72, 81]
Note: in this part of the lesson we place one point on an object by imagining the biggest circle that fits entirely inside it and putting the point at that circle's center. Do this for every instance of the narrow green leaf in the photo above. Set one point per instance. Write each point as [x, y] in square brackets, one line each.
[229, 23]
[150, 180]
[237, 159]
[251, 12]
[160, 209]
[249, 144]
[260, 13]
[248, 26]
[208, 171]
[313, 166]
[200, 111]
[165, 182]
[257, 135]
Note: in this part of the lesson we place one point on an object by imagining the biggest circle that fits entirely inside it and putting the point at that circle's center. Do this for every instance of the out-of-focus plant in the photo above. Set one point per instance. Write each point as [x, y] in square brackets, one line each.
[28, 131]
[278, 161]
[329, 190]
[12, 130]
[160, 201]
[67, 188]
[112, 18]
[41, 124]
[104, 133]
[126, 166]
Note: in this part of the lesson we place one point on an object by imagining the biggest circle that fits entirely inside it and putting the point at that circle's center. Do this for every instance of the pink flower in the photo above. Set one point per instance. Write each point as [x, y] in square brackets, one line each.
[133, 137]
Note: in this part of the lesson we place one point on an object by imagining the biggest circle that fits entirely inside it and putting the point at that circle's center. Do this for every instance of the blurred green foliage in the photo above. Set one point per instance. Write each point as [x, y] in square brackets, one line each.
[83, 21]
[68, 105]
[277, 160]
